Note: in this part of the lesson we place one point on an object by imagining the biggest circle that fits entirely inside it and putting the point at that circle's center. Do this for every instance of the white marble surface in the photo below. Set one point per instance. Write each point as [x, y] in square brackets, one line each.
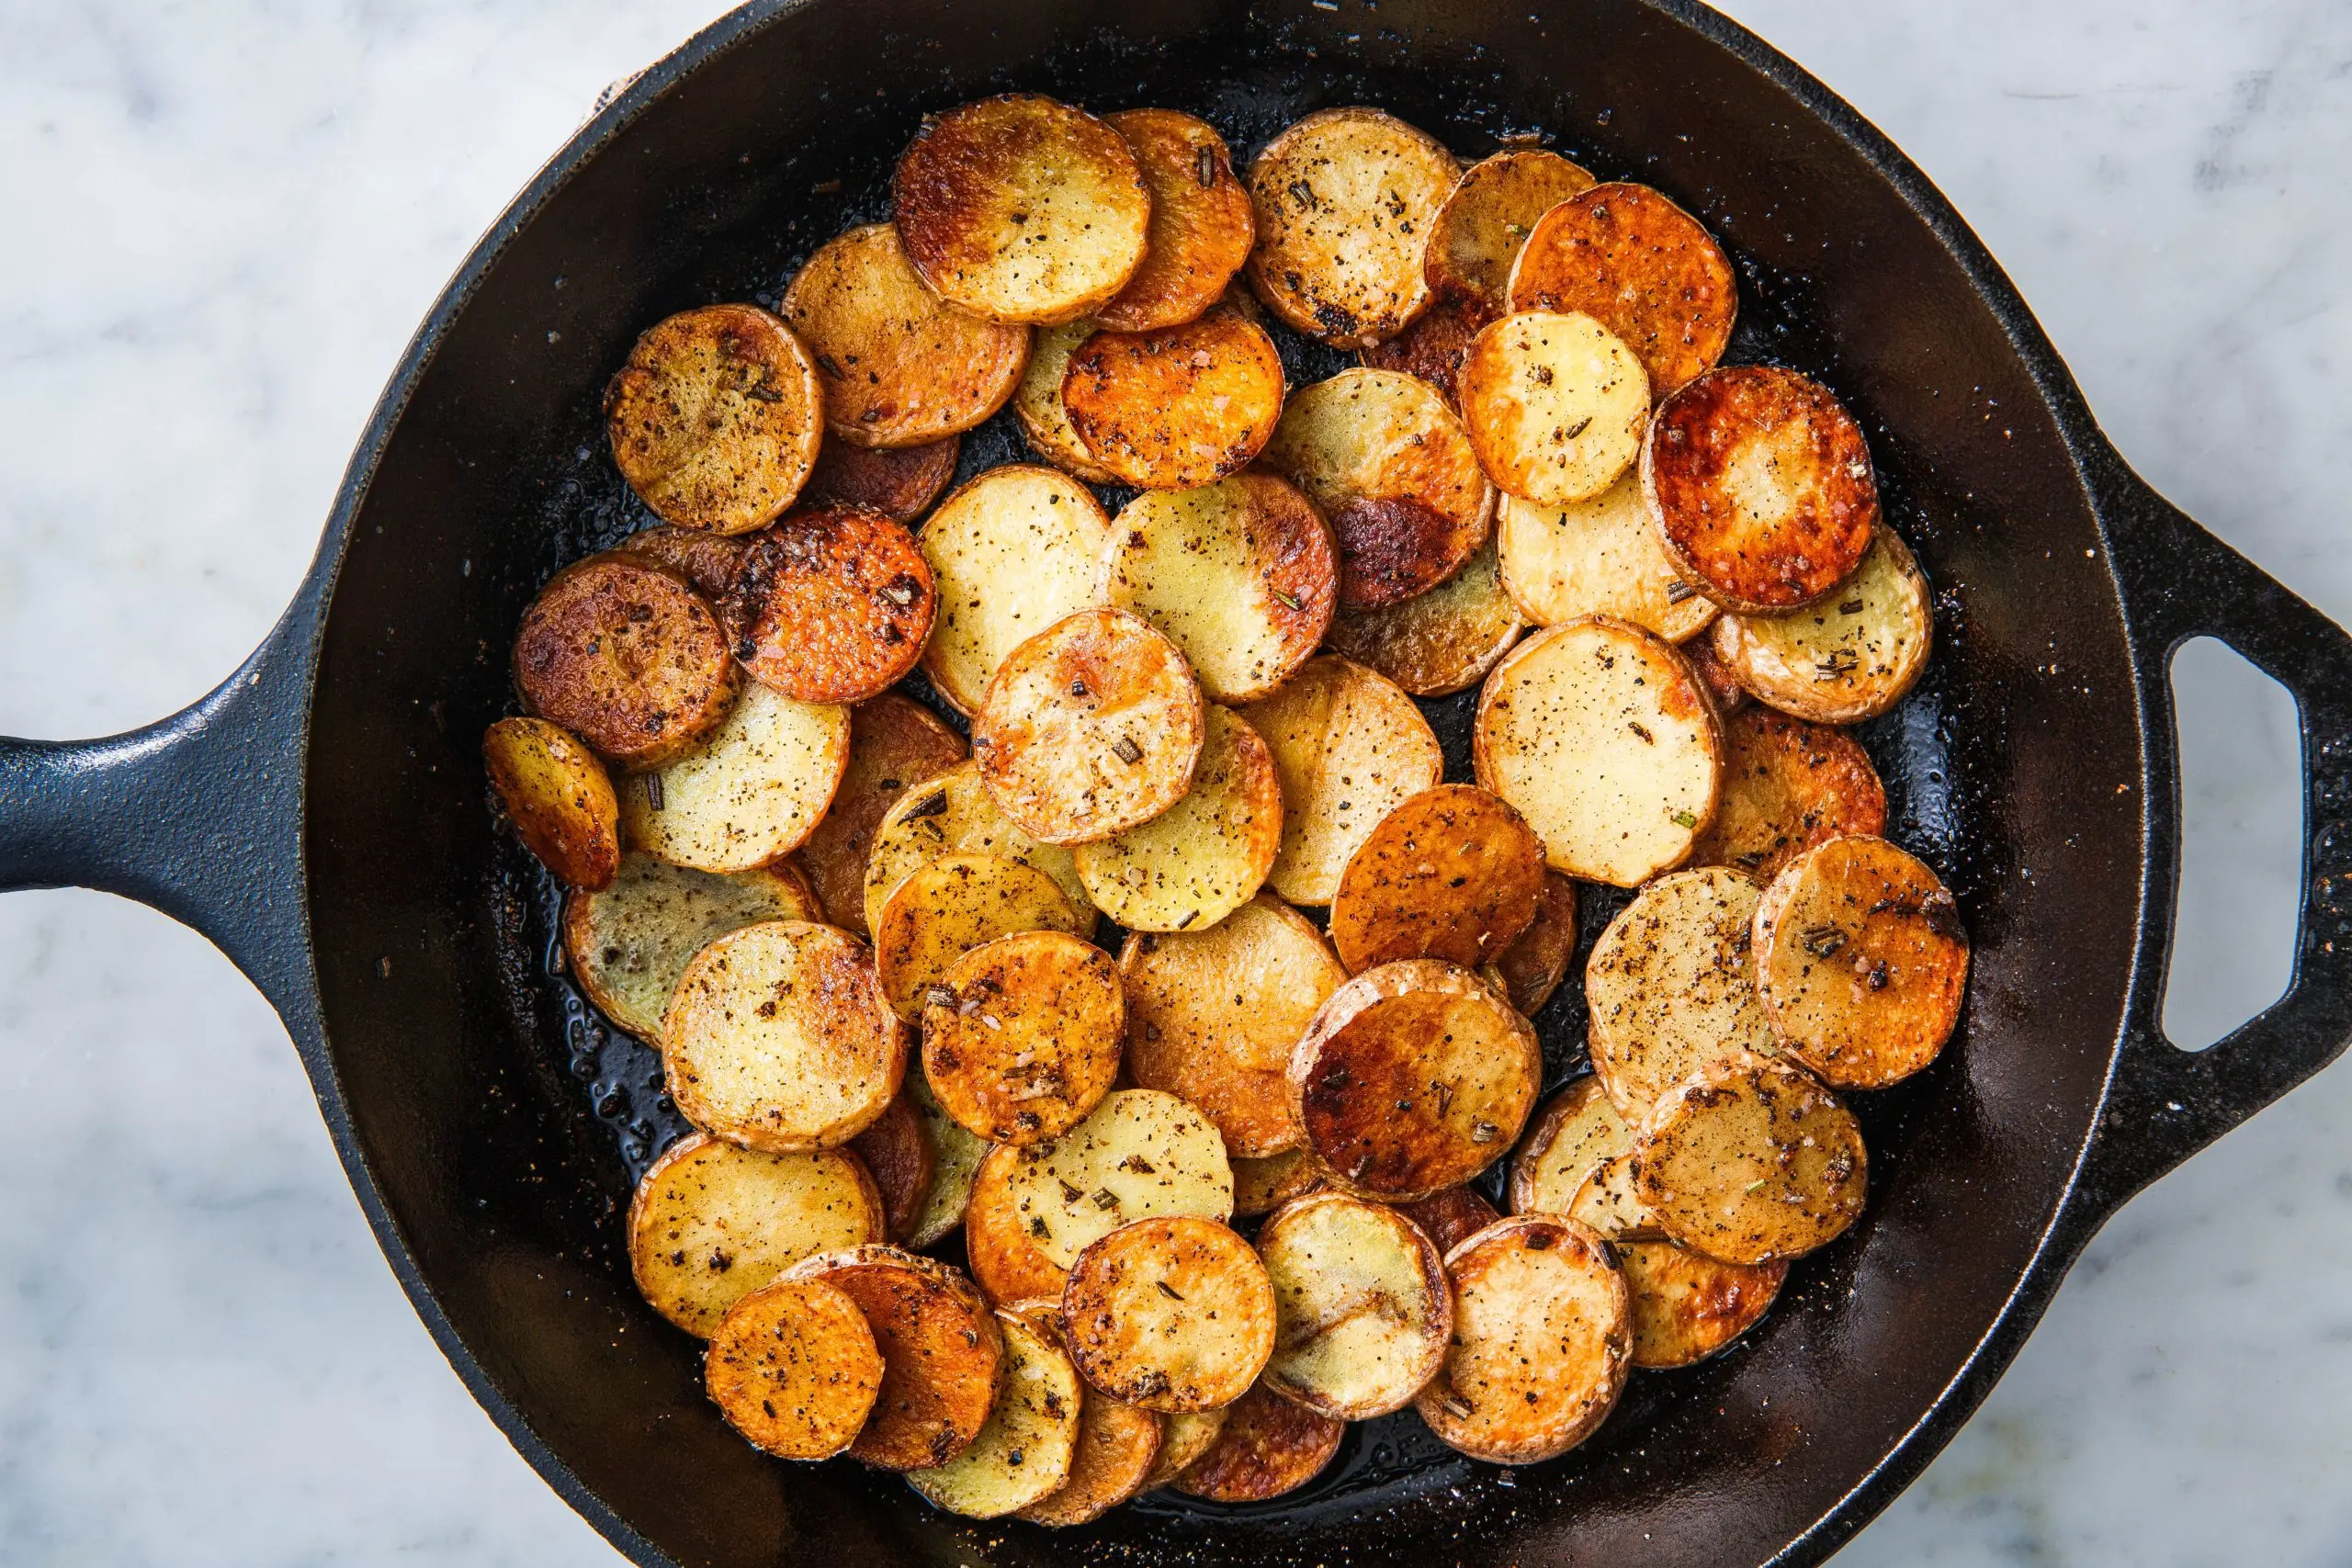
[223, 222]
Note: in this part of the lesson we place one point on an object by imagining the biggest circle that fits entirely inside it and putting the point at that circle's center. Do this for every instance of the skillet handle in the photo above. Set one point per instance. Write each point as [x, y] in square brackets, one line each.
[2180, 581]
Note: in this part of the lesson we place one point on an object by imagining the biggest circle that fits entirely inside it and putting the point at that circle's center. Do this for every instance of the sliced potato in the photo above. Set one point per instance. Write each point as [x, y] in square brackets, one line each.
[1206, 855]
[1021, 209]
[899, 366]
[1556, 405]
[1348, 746]
[1454, 872]
[1671, 985]
[942, 1352]
[626, 656]
[778, 1039]
[1578, 1128]
[1260, 1186]
[794, 1368]
[1477, 233]
[1021, 1038]
[956, 1157]
[1451, 1217]
[901, 1158]
[894, 745]
[1788, 786]
[833, 605]
[1596, 558]
[1267, 1446]
[1543, 1341]
[1173, 1314]
[1001, 1243]
[900, 483]
[1201, 227]
[1024, 1452]
[560, 800]
[1750, 1161]
[1184, 1439]
[1038, 404]
[1644, 267]
[1442, 642]
[1533, 966]
[1688, 1306]
[707, 560]
[1850, 657]
[955, 814]
[951, 906]
[1362, 1306]
[1433, 346]
[716, 417]
[629, 944]
[750, 794]
[1185, 405]
[1606, 1205]
[1117, 1446]
[1142, 1154]
[1601, 736]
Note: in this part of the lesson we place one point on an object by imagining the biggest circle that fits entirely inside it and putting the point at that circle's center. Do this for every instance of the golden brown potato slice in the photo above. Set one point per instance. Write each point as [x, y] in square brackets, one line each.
[900, 483]
[1601, 736]
[1261, 1186]
[1184, 1439]
[1761, 487]
[626, 656]
[1641, 266]
[894, 745]
[716, 417]
[1688, 1306]
[1212, 1016]
[1173, 1314]
[1201, 227]
[955, 814]
[704, 559]
[1531, 967]
[1001, 1243]
[1433, 347]
[1751, 1161]
[629, 942]
[794, 1368]
[1722, 685]
[951, 906]
[899, 365]
[778, 1039]
[1580, 1127]
[1362, 1306]
[1454, 872]
[1141, 1154]
[1117, 1446]
[1861, 962]
[1025, 1451]
[1850, 657]
[1413, 1077]
[1555, 404]
[1479, 231]
[942, 1352]
[1787, 786]
[1241, 574]
[1091, 726]
[899, 1155]
[1266, 1446]
[1606, 1205]
[1392, 468]
[747, 796]
[1542, 1339]
[1671, 984]
[1599, 557]
[1349, 747]
[1451, 1217]
[1442, 642]
[956, 1157]
[833, 605]
[1038, 404]
[1021, 209]
[1344, 200]
[560, 800]
[1022, 1038]
[1185, 405]
[1206, 855]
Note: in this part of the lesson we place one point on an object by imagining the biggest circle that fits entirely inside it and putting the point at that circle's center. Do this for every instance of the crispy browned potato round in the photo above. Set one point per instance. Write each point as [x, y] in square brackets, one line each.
[1554, 405]
[1543, 1341]
[951, 906]
[1348, 746]
[1001, 1242]
[900, 483]
[1261, 1186]
[1433, 347]
[704, 559]
[1671, 985]
[628, 658]
[894, 745]
[629, 944]
[1644, 267]
[1788, 786]
[941, 1351]
[1600, 556]
[1021, 209]
[1451, 1217]
[1092, 727]
[1751, 1160]
[1861, 962]
[1477, 233]
[1013, 552]
[833, 605]
[1850, 657]
[1723, 685]
[956, 1157]
[1117, 1444]
[1362, 1306]
[1606, 1203]
[1184, 1439]
[1414, 1077]
[794, 1368]
[1688, 1306]
[1141, 1153]
[1182, 406]
[899, 366]
[1578, 1128]
[1022, 1039]
[1201, 227]
[716, 417]
[1026, 1451]
[1038, 404]
[1206, 855]
[748, 796]
[1761, 487]
[559, 799]
[955, 814]
[898, 1154]
[1267, 1446]
[1454, 872]
[1442, 642]
[1173, 1314]
[1533, 966]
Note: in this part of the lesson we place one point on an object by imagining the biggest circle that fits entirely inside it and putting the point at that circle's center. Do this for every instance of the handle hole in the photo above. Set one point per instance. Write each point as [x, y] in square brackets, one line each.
[2241, 843]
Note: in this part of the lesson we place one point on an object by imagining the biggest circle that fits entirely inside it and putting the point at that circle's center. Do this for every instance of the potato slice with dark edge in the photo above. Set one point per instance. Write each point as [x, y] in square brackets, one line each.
[1206, 855]
[1184, 1439]
[1687, 1306]
[750, 794]
[955, 814]
[794, 1368]
[1344, 200]
[1394, 471]
[1432, 348]
[1141, 1154]
[1861, 962]
[899, 366]
[1362, 1306]
[1600, 556]
[1643, 267]
[778, 1038]
[1241, 574]
[1477, 233]
[833, 605]
[1414, 1077]
[704, 559]
[1001, 1244]
[1117, 1446]
[1788, 786]
[956, 1157]
[557, 794]
[629, 944]
[1261, 1186]
[711, 1222]
[1671, 985]
[942, 1352]
[1751, 1160]
[1555, 404]
[716, 417]
[1013, 552]
[899, 1155]
[1182, 406]
[1601, 736]
[1022, 1039]
[1606, 1205]
[1173, 1314]
[1533, 966]
[1454, 872]
[1580, 1127]
[1722, 685]
[951, 906]
[1760, 485]
[1451, 1217]
[899, 482]
[1212, 1016]
[626, 656]
[1024, 1452]
[1348, 746]
[894, 745]
[1543, 1341]
[1268, 1446]
[1092, 727]
[1442, 642]
[1038, 404]
[1850, 657]
[1200, 228]
[1022, 209]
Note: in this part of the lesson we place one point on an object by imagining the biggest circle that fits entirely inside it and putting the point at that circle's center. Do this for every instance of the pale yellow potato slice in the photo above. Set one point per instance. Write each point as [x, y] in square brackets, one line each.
[1607, 1205]
[1556, 405]
[629, 944]
[748, 796]
[1850, 657]
[1671, 984]
[1117, 1447]
[1023, 1451]
[1012, 552]
[1141, 1154]
[1751, 1161]
[1184, 1439]
[951, 906]
[1439, 642]
[1206, 855]
[955, 814]
[1599, 557]
[1174, 1313]
[1687, 1306]
[1479, 231]
[1362, 1305]
[1261, 1186]
[715, 420]
[794, 1368]
[559, 798]
[1577, 1129]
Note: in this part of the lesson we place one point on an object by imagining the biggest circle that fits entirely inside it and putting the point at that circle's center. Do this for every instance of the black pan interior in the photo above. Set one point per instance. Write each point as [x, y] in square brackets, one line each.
[504, 1122]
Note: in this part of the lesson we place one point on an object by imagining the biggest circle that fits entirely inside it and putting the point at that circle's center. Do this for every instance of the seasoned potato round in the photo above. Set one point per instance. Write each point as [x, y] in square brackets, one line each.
[894, 745]
[942, 1352]
[1142, 1153]
[899, 366]
[1442, 642]
[1787, 786]
[1451, 1217]
[750, 794]
[794, 1368]
[1392, 468]
[1021, 209]
[1414, 1077]
[1688, 1306]
[956, 1157]
[1543, 1341]
[1599, 557]
[1206, 855]
[1850, 657]
[1173, 1314]
[1240, 574]
[1645, 268]
[833, 605]
[899, 1156]
[951, 906]
[1433, 346]
[1454, 872]
[1751, 1160]
[626, 656]
[1091, 726]
[1261, 1186]
[1001, 1243]
[1533, 966]
[1601, 736]
[1477, 233]
[1344, 200]
[1024, 1452]
[716, 417]
[1184, 1439]
[1671, 984]
[1362, 1306]
[1200, 228]
[955, 814]
[1117, 1446]
[1578, 1128]
[1038, 404]
[704, 559]
[1723, 685]
[1267, 1446]
[1555, 404]
[1606, 1203]
[559, 798]
[1184, 405]
[1861, 962]
[629, 944]
[778, 1039]
[900, 483]
[1013, 552]
[1021, 1040]
[1348, 748]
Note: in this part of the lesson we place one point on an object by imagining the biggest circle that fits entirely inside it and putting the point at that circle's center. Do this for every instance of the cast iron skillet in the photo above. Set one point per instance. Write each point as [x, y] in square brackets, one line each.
[321, 815]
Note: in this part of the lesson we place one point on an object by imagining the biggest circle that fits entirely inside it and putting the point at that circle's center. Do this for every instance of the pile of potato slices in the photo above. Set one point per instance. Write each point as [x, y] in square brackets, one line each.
[1057, 988]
